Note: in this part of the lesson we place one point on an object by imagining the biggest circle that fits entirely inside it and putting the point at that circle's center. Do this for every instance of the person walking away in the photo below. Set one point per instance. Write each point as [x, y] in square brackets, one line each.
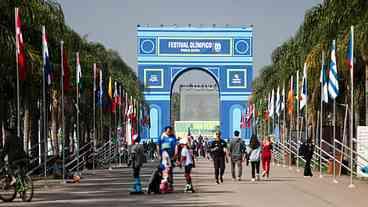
[266, 156]
[308, 155]
[187, 160]
[168, 140]
[254, 152]
[218, 154]
[137, 157]
[166, 167]
[236, 151]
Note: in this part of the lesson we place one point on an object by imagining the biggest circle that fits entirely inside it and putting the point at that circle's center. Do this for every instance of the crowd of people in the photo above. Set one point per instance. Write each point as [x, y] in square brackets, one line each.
[183, 153]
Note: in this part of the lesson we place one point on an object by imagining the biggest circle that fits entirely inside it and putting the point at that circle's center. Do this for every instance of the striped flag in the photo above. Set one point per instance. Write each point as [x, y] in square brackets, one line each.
[21, 55]
[304, 91]
[46, 57]
[333, 84]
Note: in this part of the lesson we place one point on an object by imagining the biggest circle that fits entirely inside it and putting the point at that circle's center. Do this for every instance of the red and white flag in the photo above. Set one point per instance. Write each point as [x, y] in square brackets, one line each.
[21, 56]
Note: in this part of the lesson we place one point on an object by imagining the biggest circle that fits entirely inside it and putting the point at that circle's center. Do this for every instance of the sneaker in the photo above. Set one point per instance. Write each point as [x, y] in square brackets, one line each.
[221, 180]
[239, 179]
[253, 180]
[217, 181]
[264, 174]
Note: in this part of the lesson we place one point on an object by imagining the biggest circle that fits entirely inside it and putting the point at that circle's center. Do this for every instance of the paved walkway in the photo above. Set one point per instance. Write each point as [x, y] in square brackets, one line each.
[285, 188]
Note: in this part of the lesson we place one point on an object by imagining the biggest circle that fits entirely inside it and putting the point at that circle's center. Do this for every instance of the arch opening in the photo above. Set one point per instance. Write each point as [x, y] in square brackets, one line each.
[195, 102]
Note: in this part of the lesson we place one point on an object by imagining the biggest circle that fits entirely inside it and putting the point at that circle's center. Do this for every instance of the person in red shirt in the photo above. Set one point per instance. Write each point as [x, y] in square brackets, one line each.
[266, 156]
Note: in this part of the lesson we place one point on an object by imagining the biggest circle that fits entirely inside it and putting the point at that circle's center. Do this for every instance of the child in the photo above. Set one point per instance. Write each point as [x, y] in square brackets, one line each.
[137, 158]
[188, 162]
[166, 167]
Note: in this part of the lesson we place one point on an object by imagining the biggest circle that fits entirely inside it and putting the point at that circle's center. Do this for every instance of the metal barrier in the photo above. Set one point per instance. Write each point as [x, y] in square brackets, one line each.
[321, 157]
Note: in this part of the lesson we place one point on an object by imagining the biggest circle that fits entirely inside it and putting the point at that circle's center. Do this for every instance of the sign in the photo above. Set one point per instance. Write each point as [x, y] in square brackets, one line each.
[194, 47]
[196, 128]
[153, 78]
[362, 149]
[236, 78]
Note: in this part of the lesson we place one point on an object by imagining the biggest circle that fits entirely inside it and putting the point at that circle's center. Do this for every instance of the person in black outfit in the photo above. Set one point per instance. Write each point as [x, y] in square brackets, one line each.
[218, 153]
[13, 148]
[307, 150]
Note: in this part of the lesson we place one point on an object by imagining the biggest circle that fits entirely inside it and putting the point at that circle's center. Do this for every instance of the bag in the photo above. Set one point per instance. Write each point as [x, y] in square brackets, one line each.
[255, 155]
[237, 150]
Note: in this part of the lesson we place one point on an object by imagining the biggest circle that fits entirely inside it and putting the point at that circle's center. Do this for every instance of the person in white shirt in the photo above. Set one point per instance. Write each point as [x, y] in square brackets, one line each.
[188, 162]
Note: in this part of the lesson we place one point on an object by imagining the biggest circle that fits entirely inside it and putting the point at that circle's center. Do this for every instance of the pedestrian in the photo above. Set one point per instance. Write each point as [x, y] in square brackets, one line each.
[236, 151]
[137, 158]
[266, 156]
[218, 154]
[308, 150]
[166, 167]
[254, 152]
[169, 140]
[187, 160]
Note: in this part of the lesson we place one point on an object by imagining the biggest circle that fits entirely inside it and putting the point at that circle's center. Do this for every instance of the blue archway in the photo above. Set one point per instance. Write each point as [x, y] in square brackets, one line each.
[164, 53]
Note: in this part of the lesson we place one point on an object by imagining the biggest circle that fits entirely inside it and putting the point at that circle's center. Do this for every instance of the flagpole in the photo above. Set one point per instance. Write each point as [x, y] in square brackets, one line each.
[297, 120]
[306, 102]
[77, 75]
[94, 116]
[284, 118]
[44, 112]
[351, 106]
[17, 68]
[62, 107]
[334, 142]
[321, 118]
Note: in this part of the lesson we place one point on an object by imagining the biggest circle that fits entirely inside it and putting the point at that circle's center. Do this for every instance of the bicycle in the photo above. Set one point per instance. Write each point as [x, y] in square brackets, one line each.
[23, 185]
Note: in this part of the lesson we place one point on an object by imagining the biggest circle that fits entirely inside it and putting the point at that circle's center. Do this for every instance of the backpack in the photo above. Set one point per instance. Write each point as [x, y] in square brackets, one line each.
[237, 150]
[255, 155]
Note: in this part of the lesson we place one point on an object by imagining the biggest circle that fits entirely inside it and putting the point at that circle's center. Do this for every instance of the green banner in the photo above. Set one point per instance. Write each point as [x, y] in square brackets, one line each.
[196, 128]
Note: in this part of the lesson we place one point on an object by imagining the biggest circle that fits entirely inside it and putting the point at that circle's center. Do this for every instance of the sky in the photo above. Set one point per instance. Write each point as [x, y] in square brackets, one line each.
[113, 22]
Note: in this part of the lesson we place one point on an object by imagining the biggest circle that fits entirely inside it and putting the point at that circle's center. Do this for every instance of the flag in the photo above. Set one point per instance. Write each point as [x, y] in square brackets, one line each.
[110, 88]
[324, 83]
[272, 103]
[94, 77]
[242, 120]
[350, 52]
[283, 98]
[20, 53]
[46, 57]
[101, 89]
[114, 101]
[248, 116]
[304, 91]
[79, 73]
[291, 97]
[278, 101]
[333, 84]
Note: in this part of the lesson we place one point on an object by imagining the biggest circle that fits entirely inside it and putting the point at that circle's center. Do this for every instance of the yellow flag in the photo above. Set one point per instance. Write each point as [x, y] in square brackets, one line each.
[110, 87]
